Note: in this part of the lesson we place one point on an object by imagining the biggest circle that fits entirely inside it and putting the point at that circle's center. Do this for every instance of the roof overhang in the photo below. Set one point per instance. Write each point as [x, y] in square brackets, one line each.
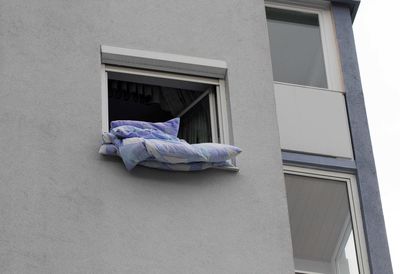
[351, 4]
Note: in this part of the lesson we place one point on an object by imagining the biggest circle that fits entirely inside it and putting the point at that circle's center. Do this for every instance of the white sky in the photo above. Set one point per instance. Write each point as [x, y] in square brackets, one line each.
[377, 31]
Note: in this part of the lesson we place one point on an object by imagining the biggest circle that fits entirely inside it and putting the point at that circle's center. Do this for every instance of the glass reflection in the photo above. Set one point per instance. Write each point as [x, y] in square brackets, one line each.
[321, 227]
[296, 47]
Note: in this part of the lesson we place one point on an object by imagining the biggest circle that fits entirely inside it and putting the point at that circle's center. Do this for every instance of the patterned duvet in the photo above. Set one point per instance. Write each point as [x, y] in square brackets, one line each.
[153, 147]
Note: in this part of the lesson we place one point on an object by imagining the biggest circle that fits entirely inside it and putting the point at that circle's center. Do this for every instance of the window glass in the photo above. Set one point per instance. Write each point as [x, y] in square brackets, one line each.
[296, 47]
[158, 100]
[321, 226]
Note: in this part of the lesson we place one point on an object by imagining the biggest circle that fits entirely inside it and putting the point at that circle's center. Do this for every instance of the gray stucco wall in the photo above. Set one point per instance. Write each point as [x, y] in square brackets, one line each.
[65, 209]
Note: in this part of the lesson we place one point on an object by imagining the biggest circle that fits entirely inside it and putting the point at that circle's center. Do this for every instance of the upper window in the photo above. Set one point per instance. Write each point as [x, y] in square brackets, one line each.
[303, 45]
[296, 47]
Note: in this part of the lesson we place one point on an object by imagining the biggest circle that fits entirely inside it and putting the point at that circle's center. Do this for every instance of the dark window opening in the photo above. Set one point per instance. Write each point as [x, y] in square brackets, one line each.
[143, 98]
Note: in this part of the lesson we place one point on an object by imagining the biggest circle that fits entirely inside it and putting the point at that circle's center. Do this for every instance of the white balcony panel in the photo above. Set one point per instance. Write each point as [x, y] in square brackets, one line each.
[313, 120]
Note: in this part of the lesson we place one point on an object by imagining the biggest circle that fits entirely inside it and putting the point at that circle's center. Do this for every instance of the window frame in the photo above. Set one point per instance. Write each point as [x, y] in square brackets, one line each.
[328, 39]
[218, 114]
[354, 207]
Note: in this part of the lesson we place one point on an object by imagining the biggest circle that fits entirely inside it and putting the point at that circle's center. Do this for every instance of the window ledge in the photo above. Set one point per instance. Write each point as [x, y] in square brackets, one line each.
[229, 168]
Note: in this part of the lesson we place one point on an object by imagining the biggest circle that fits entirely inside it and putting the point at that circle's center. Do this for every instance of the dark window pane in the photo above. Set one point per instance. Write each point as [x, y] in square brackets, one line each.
[195, 124]
[153, 103]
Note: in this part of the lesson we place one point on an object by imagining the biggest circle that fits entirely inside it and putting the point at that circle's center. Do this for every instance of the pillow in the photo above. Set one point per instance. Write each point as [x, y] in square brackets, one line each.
[123, 132]
[133, 151]
[217, 152]
[170, 127]
[109, 138]
[108, 149]
[183, 167]
[182, 152]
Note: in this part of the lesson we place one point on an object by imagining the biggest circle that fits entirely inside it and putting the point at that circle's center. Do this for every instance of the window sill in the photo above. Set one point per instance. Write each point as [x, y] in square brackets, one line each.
[228, 168]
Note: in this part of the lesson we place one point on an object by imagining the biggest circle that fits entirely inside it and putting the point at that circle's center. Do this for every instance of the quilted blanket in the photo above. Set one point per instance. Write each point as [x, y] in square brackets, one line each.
[153, 147]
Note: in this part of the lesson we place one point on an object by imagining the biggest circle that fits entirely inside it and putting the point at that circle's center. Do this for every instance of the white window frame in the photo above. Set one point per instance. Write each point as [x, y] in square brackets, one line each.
[218, 103]
[328, 38]
[355, 210]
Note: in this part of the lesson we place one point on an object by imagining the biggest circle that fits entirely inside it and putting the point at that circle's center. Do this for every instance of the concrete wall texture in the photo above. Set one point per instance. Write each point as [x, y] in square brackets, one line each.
[373, 221]
[65, 209]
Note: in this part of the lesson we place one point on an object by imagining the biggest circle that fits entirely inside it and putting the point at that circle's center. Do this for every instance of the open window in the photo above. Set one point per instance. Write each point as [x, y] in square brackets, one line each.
[154, 96]
[154, 99]
[326, 228]
[157, 87]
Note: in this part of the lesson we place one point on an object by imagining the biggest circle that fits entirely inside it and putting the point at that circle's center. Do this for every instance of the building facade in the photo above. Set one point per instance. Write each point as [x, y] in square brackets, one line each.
[279, 79]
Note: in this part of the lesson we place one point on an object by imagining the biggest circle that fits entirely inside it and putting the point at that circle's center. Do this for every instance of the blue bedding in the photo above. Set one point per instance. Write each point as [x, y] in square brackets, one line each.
[154, 147]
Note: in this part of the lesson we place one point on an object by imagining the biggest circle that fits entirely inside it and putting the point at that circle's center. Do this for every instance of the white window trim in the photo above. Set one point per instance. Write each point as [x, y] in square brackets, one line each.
[346, 231]
[219, 118]
[328, 38]
[355, 210]
[306, 272]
